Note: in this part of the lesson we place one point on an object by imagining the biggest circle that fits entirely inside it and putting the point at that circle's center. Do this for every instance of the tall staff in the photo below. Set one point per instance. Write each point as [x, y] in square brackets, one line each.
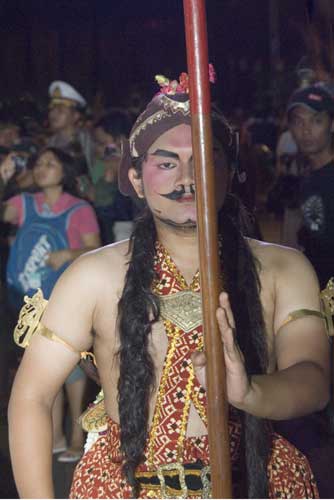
[198, 69]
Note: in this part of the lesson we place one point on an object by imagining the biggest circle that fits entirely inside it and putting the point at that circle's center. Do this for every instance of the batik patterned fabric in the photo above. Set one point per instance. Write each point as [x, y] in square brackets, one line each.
[99, 473]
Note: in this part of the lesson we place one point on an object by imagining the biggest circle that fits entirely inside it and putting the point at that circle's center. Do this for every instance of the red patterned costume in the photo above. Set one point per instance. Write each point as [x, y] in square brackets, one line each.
[177, 465]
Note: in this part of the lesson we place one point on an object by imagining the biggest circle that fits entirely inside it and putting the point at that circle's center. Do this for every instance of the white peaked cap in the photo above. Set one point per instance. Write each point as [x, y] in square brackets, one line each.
[62, 92]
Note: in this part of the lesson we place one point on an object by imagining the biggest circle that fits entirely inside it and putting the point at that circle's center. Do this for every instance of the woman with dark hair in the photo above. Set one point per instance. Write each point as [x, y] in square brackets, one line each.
[55, 226]
[143, 303]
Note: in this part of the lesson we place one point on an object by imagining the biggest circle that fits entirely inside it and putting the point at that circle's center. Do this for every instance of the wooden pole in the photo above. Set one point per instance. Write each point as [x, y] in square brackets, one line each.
[198, 69]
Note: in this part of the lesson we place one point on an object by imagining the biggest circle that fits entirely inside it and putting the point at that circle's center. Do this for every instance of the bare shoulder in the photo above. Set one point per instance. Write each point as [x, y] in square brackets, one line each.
[278, 259]
[295, 284]
[88, 281]
[99, 259]
[97, 266]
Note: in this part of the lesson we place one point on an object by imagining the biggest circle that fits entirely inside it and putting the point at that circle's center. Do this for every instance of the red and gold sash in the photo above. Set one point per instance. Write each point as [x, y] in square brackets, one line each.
[178, 386]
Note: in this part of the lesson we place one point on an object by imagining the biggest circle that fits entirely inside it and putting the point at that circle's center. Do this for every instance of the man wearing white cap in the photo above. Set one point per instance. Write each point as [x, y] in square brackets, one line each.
[65, 112]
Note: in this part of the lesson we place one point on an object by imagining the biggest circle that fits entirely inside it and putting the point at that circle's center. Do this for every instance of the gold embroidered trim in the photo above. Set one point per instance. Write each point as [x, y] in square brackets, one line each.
[196, 392]
[184, 309]
[170, 108]
[173, 334]
[185, 413]
[164, 257]
[95, 418]
[174, 106]
[177, 469]
[182, 478]
[176, 299]
[199, 405]
[156, 117]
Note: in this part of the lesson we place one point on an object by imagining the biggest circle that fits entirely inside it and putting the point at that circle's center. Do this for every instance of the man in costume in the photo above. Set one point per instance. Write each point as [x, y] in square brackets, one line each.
[142, 303]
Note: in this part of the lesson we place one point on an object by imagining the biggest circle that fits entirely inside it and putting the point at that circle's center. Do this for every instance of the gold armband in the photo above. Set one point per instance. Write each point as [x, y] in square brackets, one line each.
[327, 305]
[29, 324]
[301, 313]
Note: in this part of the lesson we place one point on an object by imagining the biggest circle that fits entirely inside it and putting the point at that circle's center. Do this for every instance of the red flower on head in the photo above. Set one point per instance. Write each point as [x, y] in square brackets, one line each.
[212, 74]
[172, 87]
[184, 82]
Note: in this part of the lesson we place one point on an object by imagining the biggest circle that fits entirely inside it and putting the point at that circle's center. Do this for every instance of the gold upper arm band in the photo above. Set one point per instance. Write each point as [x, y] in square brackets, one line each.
[29, 324]
[300, 313]
[327, 303]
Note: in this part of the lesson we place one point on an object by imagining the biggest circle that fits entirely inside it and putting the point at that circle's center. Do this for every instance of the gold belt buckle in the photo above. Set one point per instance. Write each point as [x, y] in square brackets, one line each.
[207, 493]
[182, 478]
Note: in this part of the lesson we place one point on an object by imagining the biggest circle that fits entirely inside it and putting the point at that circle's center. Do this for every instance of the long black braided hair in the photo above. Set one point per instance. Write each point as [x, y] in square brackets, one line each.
[138, 309]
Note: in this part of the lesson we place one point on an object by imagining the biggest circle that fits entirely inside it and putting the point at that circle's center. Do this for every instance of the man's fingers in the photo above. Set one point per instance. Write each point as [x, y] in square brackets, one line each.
[227, 328]
[225, 304]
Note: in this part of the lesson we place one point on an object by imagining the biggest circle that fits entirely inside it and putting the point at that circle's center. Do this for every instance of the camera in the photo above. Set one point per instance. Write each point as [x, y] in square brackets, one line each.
[110, 151]
[20, 163]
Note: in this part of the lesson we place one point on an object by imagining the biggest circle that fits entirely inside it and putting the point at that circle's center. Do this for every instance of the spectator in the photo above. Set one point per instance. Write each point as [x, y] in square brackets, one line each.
[66, 113]
[9, 134]
[21, 181]
[55, 227]
[24, 156]
[289, 168]
[311, 115]
[114, 211]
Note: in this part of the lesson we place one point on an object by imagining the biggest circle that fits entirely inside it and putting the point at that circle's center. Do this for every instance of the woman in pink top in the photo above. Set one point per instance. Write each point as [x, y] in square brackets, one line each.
[55, 227]
[54, 174]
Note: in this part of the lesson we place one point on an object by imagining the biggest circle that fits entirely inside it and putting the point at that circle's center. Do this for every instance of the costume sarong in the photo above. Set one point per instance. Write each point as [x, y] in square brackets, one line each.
[177, 465]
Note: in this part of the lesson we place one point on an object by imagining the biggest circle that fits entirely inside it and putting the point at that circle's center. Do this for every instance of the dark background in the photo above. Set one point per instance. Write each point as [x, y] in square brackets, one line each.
[114, 45]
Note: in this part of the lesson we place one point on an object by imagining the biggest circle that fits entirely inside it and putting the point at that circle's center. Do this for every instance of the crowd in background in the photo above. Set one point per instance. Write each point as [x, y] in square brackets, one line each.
[59, 199]
[59, 176]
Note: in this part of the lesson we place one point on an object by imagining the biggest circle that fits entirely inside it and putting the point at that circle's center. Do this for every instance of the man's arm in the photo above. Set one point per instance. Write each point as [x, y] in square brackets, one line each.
[42, 372]
[301, 383]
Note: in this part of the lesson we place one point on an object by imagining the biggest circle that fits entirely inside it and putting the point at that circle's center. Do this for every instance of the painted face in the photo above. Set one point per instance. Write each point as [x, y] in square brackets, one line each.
[168, 182]
[48, 171]
[62, 117]
[311, 130]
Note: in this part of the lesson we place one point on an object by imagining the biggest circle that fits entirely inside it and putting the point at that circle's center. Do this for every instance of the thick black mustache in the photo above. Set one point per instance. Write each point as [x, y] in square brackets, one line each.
[178, 193]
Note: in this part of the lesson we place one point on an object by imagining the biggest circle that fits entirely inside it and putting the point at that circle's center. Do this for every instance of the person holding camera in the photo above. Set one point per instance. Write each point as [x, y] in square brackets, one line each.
[54, 223]
[114, 211]
[23, 157]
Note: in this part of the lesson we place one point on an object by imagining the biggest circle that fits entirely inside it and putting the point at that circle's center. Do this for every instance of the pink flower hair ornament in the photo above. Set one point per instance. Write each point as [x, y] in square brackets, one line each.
[172, 87]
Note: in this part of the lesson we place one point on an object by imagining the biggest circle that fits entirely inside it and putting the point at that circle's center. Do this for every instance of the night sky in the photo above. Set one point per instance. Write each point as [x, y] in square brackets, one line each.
[113, 45]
